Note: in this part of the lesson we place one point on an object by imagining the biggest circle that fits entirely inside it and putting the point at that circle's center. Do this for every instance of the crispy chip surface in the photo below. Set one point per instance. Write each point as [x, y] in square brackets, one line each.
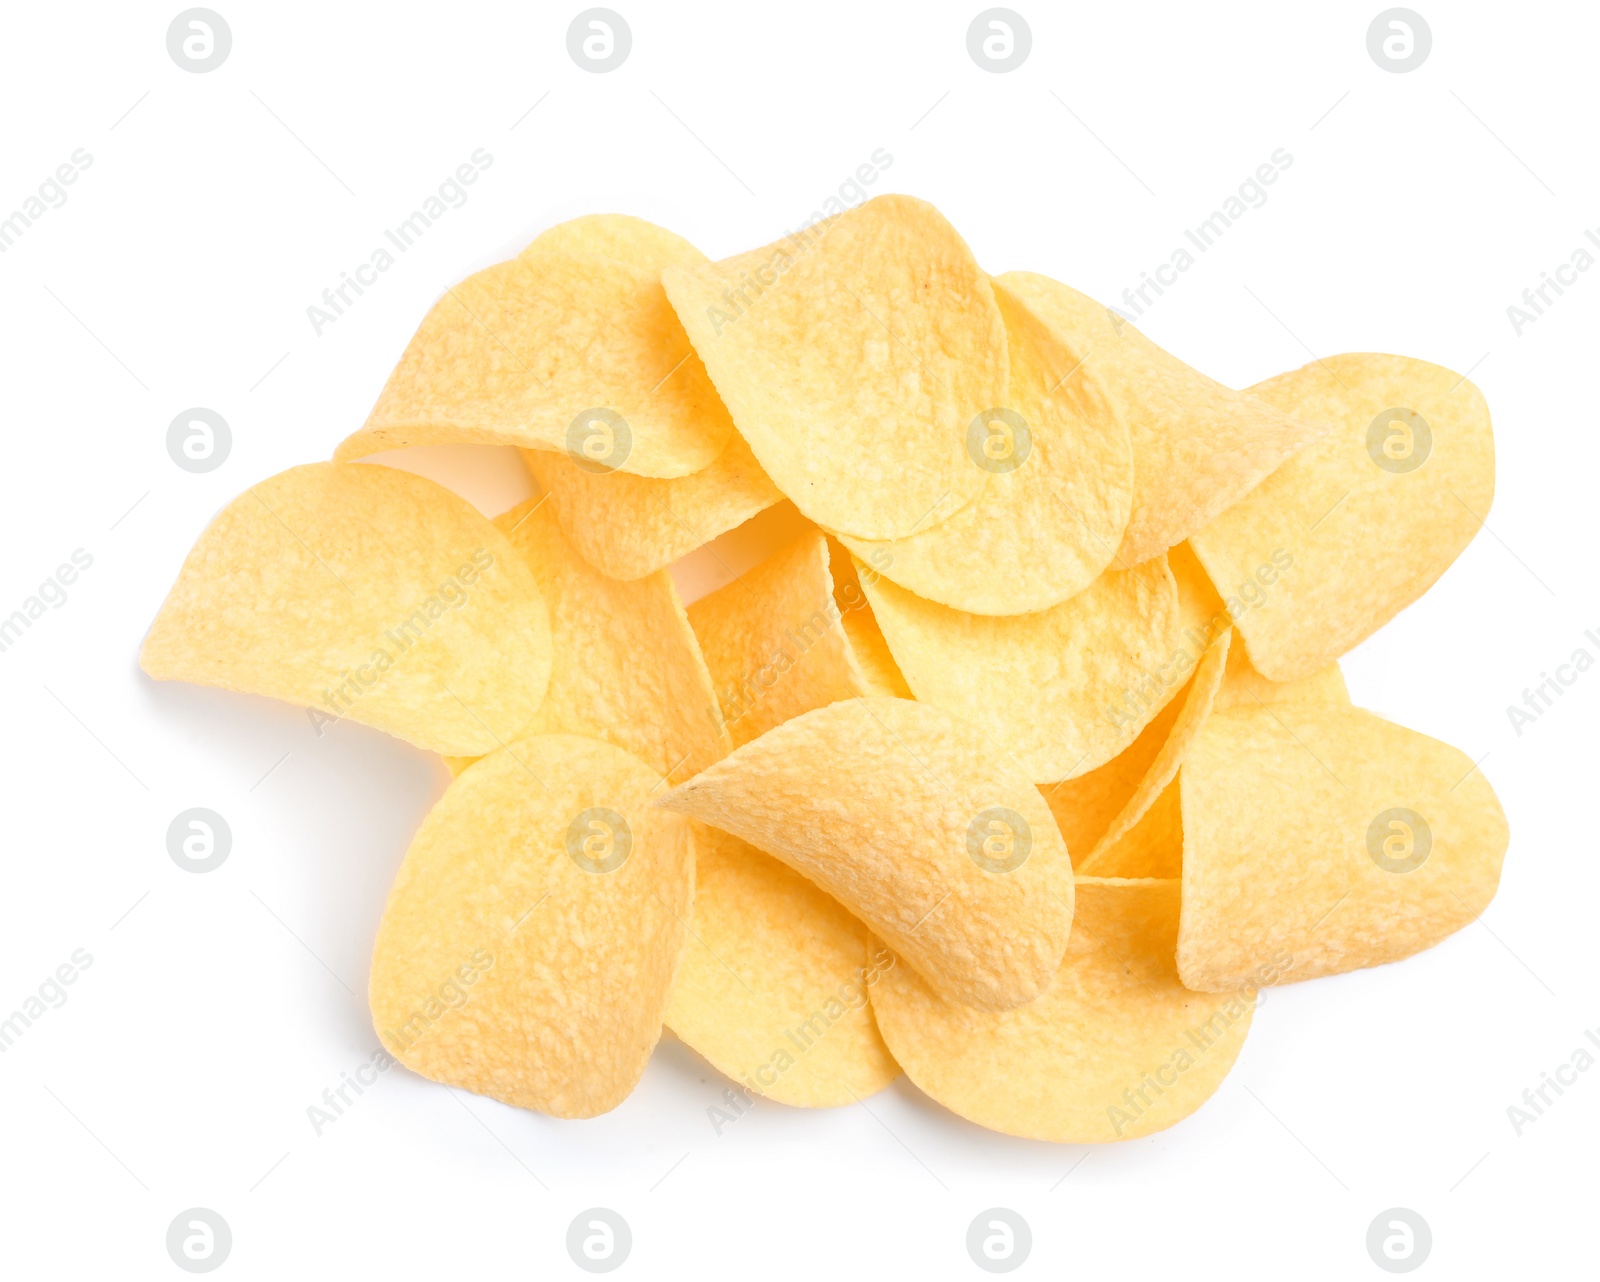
[1115, 1049]
[580, 355]
[620, 236]
[630, 526]
[530, 940]
[1198, 446]
[362, 592]
[778, 643]
[1243, 685]
[1330, 836]
[889, 806]
[1055, 504]
[1163, 769]
[1063, 690]
[627, 668]
[853, 355]
[773, 985]
[1362, 522]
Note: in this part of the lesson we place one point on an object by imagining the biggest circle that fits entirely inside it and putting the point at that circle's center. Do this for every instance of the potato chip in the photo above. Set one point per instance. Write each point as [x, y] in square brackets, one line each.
[1116, 1049]
[529, 944]
[1330, 837]
[1198, 447]
[620, 236]
[362, 592]
[776, 643]
[627, 668]
[1056, 502]
[853, 356]
[1084, 807]
[773, 985]
[578, 355]
[1205, 614]
[1357, 526]
[1153, 847]
[1197, 704]
[1063, 690]
[631, 526]
[879, 673]
[920, 825]
[1242, 684]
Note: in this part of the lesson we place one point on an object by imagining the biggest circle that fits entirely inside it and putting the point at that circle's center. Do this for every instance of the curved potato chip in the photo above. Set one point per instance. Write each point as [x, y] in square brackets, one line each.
[531, 937]
[1052, 513]
[773, 985]
[1361, 523]
[777, 643]
[627, 668]
[1197, 704]
[1243, 685]
[1330, 836]
[579, 355]
[878, 671]
[362, 592]
[620, 236]
[1064, 690]
[1115, 1049]
[853, 355]
[1153, 847]
[1198, 447]
[630, 526]
[1084, 807]
[916, 823]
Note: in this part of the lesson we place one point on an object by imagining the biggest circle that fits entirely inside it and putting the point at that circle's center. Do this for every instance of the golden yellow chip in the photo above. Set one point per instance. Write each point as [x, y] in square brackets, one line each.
[1063, 690]
[1242, 684]
[920, 825]
[529, 944]
[853, 357]
[630, 526]
[363, 592]
[773, 985]
[1197, 704]
[1198, 447]
[579, 355]
[620, 236]
[777, 644]
[1056, 502]
[1117, 1048]
[1357, 526]
[1153, 847]
[1329, 836]
[1084, 807]
[879, 673]
[627, 668]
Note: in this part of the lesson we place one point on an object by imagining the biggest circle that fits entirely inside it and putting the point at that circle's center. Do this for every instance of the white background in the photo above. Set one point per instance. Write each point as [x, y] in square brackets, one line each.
[218, 1007]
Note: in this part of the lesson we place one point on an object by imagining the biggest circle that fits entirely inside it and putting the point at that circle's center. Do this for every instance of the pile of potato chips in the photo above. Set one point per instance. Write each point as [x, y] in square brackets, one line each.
[1021, 770]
